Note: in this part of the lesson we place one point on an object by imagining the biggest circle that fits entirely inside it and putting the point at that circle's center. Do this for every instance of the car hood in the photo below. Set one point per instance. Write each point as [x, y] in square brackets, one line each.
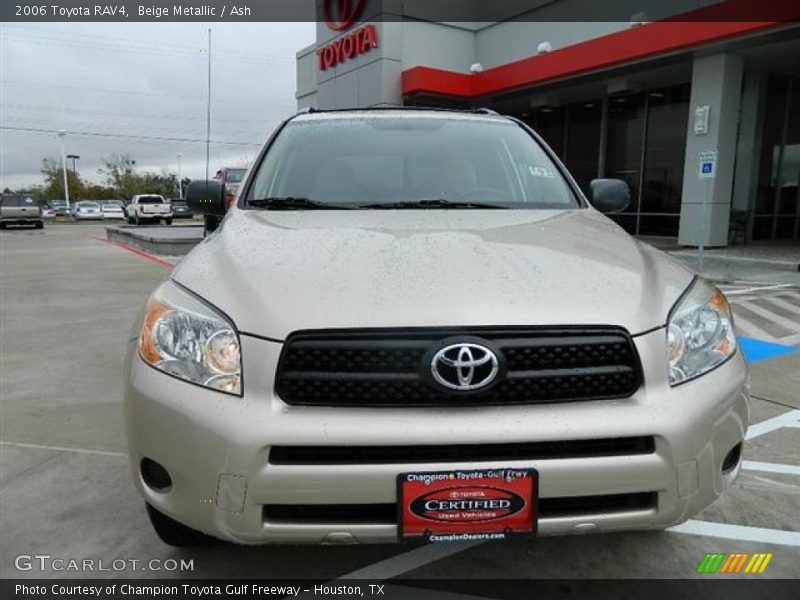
[275, 272]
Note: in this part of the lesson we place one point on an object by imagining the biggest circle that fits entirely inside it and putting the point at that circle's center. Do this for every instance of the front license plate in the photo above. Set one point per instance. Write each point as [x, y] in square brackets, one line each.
[485, 504]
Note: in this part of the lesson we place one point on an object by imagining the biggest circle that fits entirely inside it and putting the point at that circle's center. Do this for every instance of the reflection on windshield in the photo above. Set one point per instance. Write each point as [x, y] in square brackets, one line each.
[380, 159]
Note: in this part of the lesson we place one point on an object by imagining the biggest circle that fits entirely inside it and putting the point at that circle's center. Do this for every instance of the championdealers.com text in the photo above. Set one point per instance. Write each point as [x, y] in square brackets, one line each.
[46, 11]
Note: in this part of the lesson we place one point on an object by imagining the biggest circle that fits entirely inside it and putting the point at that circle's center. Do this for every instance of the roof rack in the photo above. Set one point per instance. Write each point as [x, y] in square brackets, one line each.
[480, 110]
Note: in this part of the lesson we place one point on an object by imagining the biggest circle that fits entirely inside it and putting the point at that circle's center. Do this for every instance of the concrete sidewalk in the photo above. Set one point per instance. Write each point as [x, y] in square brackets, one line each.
[777, 262]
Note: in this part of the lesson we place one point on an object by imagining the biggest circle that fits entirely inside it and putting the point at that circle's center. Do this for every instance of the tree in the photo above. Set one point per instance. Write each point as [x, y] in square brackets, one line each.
[119, 172]
[54, 181]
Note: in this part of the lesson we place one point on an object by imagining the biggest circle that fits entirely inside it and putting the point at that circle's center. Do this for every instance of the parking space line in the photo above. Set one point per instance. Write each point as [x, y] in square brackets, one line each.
[63, 449]
[408, 561]
[742, 533]
[137, 252]
[766, 467]
[787, 419]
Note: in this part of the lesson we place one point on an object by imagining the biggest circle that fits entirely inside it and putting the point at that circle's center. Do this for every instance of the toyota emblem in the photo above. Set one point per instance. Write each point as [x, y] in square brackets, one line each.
[465, 366]
[341, 14]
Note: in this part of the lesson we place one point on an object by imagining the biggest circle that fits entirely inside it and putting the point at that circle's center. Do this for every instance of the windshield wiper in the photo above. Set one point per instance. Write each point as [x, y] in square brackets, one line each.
[435, 203]
[291, 203]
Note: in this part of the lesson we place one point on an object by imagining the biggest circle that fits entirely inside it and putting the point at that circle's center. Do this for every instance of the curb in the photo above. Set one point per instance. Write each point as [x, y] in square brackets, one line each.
[691, 259]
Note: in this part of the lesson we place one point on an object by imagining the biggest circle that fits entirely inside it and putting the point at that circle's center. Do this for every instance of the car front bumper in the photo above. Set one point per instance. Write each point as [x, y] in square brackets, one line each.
[216, 448]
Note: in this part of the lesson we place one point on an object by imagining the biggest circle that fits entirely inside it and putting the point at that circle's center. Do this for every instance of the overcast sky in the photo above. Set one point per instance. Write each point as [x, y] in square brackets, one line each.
[142, 79]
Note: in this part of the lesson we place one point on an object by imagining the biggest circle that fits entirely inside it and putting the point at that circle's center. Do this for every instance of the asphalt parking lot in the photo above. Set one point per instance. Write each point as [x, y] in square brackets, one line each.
[68, 299]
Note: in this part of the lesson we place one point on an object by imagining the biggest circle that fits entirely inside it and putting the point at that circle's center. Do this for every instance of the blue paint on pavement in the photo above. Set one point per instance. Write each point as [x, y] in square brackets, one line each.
[757, 350]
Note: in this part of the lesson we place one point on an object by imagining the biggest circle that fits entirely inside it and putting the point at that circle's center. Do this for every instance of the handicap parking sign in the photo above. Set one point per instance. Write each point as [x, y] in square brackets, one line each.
[708, 164]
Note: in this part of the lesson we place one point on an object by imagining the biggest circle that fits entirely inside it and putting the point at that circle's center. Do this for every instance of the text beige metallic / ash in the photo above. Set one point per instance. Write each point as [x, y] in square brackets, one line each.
[310, 389]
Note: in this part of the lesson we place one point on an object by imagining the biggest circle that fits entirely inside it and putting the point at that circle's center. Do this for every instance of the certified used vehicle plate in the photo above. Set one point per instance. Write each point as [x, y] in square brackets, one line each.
[486, 504]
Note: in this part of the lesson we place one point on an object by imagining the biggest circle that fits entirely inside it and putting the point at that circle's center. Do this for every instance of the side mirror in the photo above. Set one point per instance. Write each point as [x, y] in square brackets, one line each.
[610, 195]
[207, 197]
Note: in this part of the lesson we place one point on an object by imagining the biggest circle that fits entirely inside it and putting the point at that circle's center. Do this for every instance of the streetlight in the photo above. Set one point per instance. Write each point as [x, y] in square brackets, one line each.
[74, 157]
[180, 182]
[62, 133]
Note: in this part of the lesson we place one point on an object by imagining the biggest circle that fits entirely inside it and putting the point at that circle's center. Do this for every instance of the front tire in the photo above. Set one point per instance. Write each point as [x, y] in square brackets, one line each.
[39, 224]
[137, 220]
[173, 533]
[168, 221]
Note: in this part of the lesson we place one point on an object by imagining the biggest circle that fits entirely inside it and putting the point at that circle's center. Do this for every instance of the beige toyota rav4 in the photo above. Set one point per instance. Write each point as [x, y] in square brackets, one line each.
[412, 325]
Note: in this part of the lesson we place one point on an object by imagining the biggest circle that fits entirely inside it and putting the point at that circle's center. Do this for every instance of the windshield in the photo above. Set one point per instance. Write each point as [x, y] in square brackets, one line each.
[151, 200]
[234, 175]
[379, 159]
[88, 205]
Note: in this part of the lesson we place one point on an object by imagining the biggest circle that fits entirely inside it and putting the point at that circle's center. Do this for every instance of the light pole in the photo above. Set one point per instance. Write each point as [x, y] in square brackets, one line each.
[208, 108]
[180, 179]
[62, 134]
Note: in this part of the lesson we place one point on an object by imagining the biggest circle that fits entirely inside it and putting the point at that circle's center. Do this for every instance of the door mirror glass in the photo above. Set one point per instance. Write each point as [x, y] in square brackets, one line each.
[610, 195]
[206, 197]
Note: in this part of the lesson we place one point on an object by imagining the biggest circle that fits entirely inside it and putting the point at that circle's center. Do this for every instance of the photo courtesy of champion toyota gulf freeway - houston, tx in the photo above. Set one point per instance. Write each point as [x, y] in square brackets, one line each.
[413, 325]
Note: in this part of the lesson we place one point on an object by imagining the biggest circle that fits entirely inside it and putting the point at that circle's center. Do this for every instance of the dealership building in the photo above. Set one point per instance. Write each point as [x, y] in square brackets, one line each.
[701, 116]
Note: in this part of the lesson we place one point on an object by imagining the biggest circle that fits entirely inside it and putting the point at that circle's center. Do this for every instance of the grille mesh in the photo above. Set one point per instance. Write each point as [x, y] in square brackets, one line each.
[390, 368]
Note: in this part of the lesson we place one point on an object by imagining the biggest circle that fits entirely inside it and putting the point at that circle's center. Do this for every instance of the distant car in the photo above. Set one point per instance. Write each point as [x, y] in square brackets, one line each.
[181, 210]
[232, 179]
[148, 207]
[48, 212]
[86, 209]
[112, 210]
[60, 206]
[19, 210]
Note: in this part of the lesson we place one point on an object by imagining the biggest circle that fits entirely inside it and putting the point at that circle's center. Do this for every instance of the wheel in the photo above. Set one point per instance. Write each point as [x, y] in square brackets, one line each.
[168, 221]
[137, 220]
[2, 225]
[39, 224]
[175, 534]
[130, 221]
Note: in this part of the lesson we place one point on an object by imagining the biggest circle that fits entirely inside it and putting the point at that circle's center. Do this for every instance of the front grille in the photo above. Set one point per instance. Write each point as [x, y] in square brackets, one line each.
[418, 454]
[393, 368]
[386, 514]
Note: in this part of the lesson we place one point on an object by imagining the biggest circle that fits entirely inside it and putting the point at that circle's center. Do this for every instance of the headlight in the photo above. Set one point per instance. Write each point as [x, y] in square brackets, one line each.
[190, 340]
[699, 333]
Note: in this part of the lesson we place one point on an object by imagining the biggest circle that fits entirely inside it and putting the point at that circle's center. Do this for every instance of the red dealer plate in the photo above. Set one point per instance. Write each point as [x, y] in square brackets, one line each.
[455, 505]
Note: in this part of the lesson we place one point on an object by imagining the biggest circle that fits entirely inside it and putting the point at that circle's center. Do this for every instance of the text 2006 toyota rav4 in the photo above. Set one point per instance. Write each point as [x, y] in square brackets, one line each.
[412, 325]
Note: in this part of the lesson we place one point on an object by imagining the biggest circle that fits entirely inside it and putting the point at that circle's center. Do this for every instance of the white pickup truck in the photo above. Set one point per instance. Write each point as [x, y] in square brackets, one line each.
[148, 207]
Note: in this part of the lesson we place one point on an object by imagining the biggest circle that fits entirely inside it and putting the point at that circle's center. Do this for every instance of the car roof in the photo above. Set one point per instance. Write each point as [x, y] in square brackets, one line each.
[400, 112]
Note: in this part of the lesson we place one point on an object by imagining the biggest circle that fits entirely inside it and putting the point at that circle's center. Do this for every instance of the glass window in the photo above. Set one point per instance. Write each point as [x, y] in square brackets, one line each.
[665, 150]
[549, 123]
[583, 141]
[626, 115]
[778, 195]
[777, 97]
[235, 175]
[406, 158]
